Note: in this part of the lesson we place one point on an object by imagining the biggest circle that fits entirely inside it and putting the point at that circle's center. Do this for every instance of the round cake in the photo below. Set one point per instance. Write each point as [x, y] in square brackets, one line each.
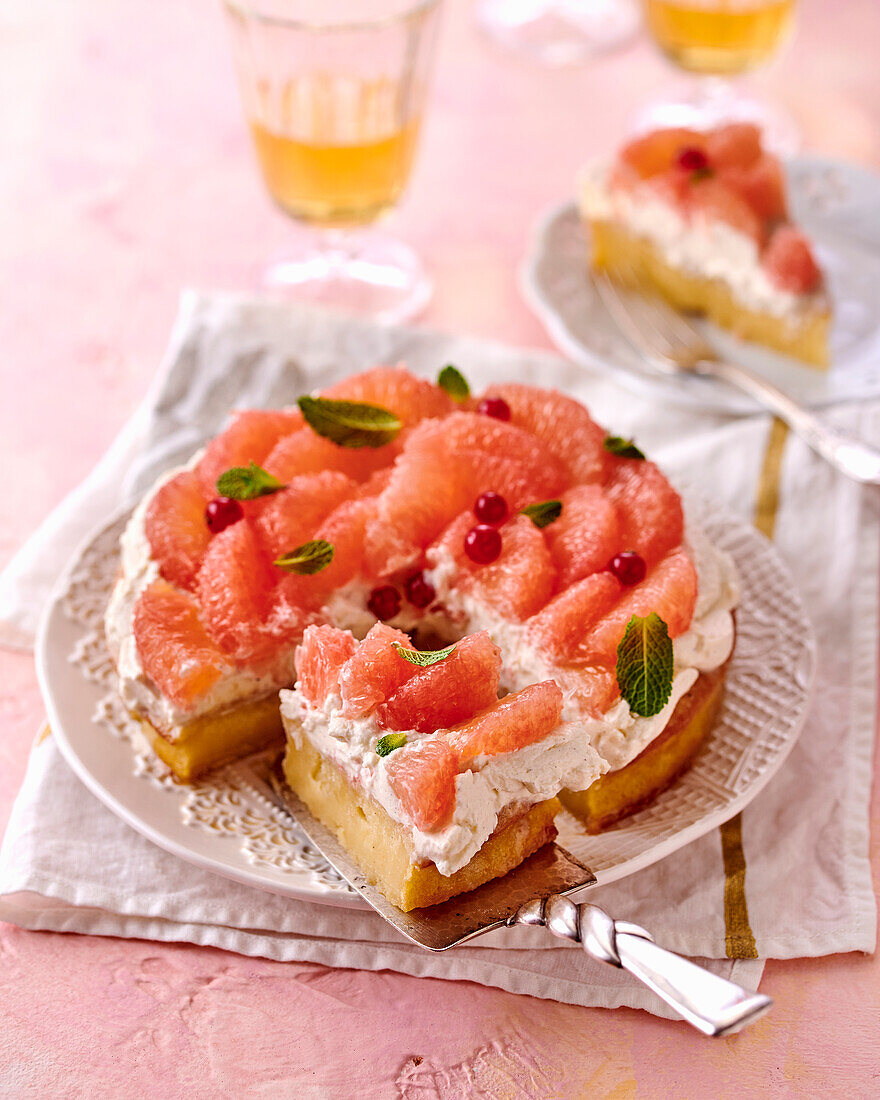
[569, 630]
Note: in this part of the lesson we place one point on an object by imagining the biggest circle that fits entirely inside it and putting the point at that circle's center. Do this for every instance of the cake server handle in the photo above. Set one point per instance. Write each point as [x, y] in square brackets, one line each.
[851, 456]
[711, 1004]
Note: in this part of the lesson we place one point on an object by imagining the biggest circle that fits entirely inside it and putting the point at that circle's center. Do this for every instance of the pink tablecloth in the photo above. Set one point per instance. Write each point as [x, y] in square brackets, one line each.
[127, 174]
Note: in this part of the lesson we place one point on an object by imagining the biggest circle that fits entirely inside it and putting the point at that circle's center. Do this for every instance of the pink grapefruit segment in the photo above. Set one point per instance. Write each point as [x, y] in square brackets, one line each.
[448, 692]
[344, 528]
[652, 521]
[558, 631]
[375, 671]
[411, 398]
[290, 517]
[319, 660]
[560, 423]
[234, 588]
[422, 776]
[586, 536]
[670, 589]
[306, 452]
[176, 529]
[517, 720]
[249, 438]
[174, 648]
[519, 582]
[446, 465]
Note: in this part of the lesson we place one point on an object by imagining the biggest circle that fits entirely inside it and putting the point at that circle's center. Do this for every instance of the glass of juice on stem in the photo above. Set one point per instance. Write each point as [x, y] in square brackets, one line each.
[717, 41]
[334, 94]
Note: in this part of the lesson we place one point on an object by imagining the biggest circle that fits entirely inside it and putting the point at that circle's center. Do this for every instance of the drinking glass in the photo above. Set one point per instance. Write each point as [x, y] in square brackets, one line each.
[334, 92]
[559, 32]
[718, 40]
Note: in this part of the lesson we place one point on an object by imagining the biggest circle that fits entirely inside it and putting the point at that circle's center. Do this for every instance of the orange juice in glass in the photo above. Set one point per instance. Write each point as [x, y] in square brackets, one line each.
[334, 93]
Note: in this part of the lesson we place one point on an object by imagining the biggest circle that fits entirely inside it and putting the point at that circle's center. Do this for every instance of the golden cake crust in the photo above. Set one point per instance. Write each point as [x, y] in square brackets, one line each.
[615, 250]
[619, 793]
[383, 848]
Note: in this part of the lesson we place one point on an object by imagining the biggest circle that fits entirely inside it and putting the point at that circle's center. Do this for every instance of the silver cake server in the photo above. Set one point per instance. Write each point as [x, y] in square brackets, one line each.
[536, 893]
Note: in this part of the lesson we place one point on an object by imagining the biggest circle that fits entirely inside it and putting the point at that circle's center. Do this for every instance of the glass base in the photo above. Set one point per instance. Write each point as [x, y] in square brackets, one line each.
[705, 102]
[359, 271]
[559, 32]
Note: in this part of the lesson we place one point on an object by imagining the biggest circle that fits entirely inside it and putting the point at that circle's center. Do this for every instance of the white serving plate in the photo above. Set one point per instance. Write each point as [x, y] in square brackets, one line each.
[838, 205]
[226, 825]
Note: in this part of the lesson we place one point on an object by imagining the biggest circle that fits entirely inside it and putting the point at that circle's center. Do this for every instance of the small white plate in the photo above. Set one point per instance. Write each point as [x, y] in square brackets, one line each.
[838, 205]
[226, 825]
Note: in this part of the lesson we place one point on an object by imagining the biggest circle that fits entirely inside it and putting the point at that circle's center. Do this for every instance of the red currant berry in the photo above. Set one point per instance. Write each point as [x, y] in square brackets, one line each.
[222, 512]
[692, 159]
[418, 591]
[384, 602]
[490, 508]
[494, 406]
[628, 566]
[482, 543]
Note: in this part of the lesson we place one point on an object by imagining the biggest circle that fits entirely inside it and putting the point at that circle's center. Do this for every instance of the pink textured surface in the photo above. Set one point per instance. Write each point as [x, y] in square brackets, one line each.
[126, 175]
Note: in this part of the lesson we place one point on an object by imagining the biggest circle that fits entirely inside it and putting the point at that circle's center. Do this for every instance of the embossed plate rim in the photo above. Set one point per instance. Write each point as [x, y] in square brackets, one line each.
[105, 763]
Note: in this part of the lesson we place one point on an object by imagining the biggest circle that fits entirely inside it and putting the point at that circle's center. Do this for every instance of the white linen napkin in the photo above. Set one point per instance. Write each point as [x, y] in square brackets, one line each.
[804, 839]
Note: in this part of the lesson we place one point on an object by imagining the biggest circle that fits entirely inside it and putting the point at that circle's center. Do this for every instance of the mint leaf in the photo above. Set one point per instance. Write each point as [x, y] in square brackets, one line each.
[350, 423]
[623, 448]
[309, 558]
[247, 483]
[644, 665]
[543, 514]
[390, 742]
[454, 383]
[424, 658]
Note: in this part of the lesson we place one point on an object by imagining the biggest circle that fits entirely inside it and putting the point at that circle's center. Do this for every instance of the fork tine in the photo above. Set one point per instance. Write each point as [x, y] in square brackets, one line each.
[657, 329]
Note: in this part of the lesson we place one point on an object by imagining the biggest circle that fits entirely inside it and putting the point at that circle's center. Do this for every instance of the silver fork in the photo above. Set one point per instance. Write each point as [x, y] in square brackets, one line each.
[672, 345]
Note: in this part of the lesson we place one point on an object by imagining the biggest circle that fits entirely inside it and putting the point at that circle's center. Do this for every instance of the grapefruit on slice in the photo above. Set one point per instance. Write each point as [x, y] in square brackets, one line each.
[586, 536]
[448, 692]
[422, 776]
[716, 199]
[655, 152]
[736, 145]
[319, 659]
[249, 438]
[762, 186]
[515, 721]
[519, 582]
[176, 529]
[174, 648]
[375, 671]
[789, 261]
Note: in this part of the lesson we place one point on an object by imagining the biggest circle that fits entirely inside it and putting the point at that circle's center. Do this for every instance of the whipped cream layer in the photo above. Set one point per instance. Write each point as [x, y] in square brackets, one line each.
[521, 778]
[574, 755]
[706, 247]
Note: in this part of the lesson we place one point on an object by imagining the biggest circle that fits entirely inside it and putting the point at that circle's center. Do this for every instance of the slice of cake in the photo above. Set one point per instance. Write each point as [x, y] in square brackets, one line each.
[702, 219]
[431, 782]
[511, 516]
